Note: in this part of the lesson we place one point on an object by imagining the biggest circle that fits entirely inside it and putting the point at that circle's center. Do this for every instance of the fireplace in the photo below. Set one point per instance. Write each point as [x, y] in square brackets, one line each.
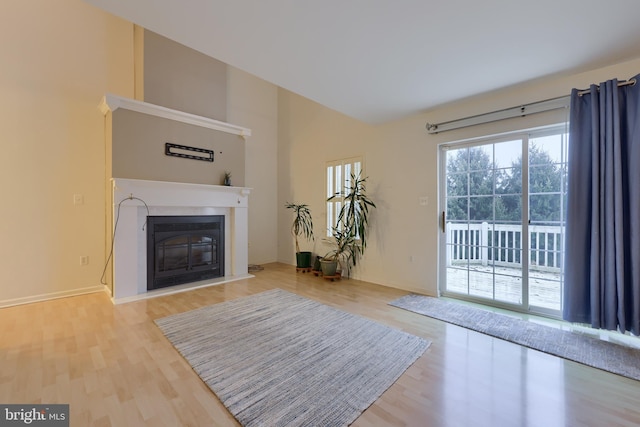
[184, 249]
[133, 200]
[162, 198]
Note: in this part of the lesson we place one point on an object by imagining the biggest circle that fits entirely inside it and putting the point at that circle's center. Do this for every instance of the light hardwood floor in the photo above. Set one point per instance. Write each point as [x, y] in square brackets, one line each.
[115, 368]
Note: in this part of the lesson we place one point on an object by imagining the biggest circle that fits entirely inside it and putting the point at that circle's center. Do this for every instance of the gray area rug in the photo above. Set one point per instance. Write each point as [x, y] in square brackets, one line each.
[575, 346]
[278, 359]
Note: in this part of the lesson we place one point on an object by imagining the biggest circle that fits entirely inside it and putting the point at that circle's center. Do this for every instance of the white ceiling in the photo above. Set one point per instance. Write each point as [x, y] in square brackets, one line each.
[380, 60]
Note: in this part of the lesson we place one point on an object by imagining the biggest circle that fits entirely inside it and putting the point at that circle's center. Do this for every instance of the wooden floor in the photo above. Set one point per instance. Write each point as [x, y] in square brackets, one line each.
[115, 368]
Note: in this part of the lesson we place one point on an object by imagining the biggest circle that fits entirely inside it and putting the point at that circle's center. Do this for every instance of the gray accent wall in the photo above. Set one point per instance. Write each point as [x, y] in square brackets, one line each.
[183, 79]
[138, 148]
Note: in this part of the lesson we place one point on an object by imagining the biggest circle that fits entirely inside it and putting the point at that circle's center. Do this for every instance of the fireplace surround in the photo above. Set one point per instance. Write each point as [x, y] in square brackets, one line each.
[172, 199]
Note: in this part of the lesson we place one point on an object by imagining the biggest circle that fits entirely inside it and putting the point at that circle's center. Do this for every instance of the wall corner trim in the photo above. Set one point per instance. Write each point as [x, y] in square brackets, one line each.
[112, 102]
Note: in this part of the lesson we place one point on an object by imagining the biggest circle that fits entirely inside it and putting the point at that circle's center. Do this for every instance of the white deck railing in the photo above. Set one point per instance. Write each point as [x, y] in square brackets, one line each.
[501, 245]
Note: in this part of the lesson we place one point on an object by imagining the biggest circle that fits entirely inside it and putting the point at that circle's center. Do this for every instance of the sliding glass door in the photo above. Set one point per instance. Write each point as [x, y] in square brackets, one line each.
[547, 174]
[501, 225]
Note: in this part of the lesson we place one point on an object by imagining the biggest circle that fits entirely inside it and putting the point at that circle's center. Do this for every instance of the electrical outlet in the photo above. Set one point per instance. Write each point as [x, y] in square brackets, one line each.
[78, 199]
[84, 260]
[423, 200]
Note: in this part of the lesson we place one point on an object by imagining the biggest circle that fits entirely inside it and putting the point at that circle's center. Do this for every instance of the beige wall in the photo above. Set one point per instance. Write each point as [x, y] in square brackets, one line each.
[310, 135]
[402, 165]
[58, 59]
[253, 103]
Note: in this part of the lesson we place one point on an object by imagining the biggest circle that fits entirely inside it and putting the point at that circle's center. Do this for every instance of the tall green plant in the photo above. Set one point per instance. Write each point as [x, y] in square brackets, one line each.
[352, 228]
[302, 222]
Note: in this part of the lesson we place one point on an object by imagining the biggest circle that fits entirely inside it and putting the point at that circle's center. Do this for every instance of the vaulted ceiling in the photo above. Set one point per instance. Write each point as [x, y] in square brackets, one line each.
[380, 60]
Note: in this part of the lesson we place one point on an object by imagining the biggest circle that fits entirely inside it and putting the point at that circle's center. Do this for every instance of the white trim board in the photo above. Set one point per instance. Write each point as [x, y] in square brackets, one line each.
[53, 295]
[112, 102]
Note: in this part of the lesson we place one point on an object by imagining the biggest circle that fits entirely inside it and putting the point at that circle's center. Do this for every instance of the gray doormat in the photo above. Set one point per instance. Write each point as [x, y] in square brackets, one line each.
[575, 346]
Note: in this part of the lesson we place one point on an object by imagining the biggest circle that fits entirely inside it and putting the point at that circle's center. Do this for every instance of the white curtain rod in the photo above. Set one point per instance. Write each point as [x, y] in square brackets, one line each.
[508, 113]
[521, 111]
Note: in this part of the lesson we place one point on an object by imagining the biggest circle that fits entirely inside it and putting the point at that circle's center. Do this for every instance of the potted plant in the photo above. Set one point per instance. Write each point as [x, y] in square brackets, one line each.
[352, 228]
[302, 226]
[316, 265]
[227, 178]
[344, 250]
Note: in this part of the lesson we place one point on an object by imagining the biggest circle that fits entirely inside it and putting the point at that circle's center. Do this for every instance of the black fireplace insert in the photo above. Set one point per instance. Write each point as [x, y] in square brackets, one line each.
[184, 249]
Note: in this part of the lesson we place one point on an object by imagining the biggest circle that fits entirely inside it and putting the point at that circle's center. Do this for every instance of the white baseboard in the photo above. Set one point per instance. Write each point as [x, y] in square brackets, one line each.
[53, 295]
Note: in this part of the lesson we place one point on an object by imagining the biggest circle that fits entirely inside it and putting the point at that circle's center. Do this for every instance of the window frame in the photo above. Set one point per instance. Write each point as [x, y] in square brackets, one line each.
[337, 178]
[527, 136]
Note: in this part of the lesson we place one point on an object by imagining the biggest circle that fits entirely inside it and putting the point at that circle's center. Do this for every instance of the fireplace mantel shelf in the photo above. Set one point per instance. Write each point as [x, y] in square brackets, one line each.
[112, 102]
[179, 186]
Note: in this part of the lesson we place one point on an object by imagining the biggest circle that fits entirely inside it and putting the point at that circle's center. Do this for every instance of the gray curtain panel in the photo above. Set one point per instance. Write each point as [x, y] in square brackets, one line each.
[602, 246]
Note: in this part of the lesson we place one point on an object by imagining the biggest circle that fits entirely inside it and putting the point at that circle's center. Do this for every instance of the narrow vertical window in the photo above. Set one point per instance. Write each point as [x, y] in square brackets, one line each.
[339, 174]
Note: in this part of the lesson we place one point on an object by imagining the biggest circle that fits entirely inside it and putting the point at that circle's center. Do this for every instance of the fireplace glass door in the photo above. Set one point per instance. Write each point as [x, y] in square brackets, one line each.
[183, 249]
[185, 252]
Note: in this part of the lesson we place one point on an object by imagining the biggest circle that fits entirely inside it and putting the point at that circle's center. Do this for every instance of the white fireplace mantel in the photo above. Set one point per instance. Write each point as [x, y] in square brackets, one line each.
[112, 102]
[172, 198]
